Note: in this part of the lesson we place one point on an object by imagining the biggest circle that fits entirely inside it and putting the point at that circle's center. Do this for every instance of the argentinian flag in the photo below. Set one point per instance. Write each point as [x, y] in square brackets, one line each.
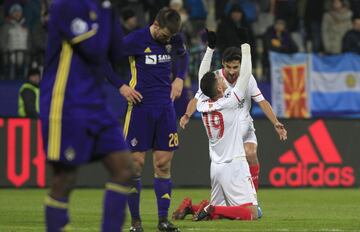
[335, 83]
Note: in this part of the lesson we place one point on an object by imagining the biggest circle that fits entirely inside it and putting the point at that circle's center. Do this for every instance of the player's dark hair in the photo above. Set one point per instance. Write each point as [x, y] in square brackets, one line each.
[231, 54]
[355, 17]
[208, 84]
[170, 19]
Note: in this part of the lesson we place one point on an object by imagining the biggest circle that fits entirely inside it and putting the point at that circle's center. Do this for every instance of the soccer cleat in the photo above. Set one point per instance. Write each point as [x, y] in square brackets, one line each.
[136, 229]
[184, 209]
[204, 213]
[167, 227]
[136, 226]
[259, 212]
[202, 205]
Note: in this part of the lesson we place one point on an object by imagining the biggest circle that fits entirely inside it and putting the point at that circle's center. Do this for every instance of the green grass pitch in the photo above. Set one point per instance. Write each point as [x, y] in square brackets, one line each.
[290, 210]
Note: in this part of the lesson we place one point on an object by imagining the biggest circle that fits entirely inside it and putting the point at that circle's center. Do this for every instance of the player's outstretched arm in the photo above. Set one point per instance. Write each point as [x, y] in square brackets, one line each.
[246, 66]
[279, 127]
[190, 109]
[206, 61]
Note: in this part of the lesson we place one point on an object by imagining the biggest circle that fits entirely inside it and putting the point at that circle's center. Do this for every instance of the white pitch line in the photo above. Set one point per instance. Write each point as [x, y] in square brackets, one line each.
[33, 228]
[37, 228]
[275, 230]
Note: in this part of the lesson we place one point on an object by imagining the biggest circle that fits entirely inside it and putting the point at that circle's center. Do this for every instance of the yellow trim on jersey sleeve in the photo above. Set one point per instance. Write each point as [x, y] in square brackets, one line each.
[132, 83]
[49, 201]
[57, 101]
[84, 36]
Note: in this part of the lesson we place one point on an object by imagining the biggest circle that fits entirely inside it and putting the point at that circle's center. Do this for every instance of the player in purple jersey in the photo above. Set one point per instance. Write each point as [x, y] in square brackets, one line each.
[77, 127]
[152, 124]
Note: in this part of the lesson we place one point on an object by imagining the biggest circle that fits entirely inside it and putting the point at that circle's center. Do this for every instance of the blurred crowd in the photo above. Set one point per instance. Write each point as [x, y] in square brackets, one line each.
[286, 26]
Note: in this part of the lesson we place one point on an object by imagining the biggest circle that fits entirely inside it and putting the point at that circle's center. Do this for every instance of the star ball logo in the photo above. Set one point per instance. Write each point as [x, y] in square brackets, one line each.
[324, 168]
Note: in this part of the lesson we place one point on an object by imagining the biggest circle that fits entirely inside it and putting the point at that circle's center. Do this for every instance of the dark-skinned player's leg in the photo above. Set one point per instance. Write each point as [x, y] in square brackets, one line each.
[134, 196]
[56, 202]
[119, 165]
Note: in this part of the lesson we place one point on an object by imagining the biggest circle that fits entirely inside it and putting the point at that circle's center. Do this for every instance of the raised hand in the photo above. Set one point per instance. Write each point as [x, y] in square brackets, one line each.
[243, 35]
[211, 38]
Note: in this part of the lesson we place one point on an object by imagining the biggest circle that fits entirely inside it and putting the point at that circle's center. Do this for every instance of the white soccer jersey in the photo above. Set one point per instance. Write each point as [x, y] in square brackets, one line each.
[221, 118]
[252, 91]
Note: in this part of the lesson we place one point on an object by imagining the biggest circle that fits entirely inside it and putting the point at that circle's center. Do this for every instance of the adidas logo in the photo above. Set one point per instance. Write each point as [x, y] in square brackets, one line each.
[314, 162]
[166, 196]
[147, 50]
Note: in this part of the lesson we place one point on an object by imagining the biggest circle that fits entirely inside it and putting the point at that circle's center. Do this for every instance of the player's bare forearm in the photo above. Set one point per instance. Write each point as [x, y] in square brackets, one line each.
[190, 109]
[279, 127]
[268, 111]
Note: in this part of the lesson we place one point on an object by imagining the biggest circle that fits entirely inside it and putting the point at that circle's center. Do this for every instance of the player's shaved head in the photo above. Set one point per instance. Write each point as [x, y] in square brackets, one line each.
[170, 19]
[231, 54]
[208, 85]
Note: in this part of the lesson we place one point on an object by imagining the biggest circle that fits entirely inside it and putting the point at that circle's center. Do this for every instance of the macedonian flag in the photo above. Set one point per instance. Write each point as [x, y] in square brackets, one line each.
[295, 94]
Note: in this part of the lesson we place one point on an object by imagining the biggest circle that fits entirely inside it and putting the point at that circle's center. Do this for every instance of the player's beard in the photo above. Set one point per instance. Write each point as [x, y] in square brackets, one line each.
[233, 77]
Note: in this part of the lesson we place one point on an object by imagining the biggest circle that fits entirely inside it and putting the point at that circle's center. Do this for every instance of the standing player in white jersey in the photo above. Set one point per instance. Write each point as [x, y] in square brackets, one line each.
[231, 62]
[232, 190]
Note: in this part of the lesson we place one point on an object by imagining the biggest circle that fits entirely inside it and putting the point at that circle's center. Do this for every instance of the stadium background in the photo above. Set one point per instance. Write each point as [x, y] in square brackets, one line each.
[322, 150]
[339, 103]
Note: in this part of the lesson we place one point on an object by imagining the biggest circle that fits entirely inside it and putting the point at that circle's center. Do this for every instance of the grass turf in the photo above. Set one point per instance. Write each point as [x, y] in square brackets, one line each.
[332, 210]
